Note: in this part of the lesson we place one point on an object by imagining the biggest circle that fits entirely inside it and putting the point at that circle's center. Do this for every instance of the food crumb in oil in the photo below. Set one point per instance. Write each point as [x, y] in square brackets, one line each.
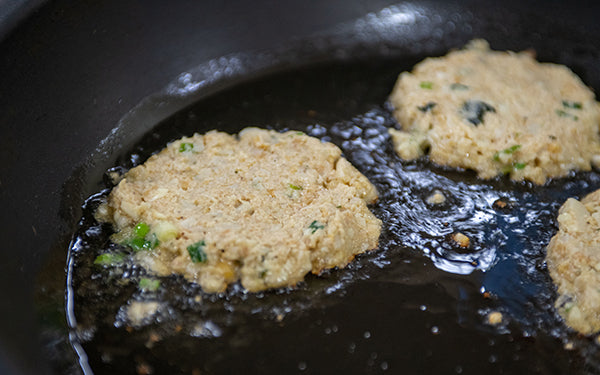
[137, 312]
[279, 317]
[437, 197]
[499, 203]
[494, 318]
[569, 345]
[461, 239]
[144, 369]
[153, 338]
[198, 299]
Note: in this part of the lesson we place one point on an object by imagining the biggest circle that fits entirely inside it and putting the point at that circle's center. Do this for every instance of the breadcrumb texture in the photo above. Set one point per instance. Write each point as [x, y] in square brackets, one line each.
[573, 259]
[262, 207]
[496, 113]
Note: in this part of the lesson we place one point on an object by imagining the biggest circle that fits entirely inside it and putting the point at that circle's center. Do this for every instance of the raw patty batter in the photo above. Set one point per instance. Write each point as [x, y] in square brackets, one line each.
[264, 208]
[497, 113]
[573, 260]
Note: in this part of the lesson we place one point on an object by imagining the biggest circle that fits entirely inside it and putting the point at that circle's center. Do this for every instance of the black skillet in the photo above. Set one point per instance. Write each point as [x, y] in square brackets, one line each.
[70, 72]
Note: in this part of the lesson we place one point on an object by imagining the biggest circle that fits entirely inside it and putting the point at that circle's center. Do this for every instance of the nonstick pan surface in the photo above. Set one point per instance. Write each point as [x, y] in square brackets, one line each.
[416, 305]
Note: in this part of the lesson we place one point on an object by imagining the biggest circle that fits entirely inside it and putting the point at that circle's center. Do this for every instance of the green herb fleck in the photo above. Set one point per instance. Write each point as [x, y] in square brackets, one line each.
[295, 187]
[109, 259]
[573, 105]
[299, 133]
[427, 107]
[262, 274]
[426, 85]
[315, 225]
[143, 243]
[186, 147]
[519, 166]
[458, 86]
[474, 111]
[508, 151]
[141, 230]
[196, 252]
[151, 285]
[562, 113]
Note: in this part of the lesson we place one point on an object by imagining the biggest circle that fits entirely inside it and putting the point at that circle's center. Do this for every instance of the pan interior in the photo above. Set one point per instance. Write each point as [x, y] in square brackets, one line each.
[419, 303]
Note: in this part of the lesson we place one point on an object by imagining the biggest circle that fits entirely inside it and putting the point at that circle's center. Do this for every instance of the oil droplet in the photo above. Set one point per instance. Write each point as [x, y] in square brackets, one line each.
[351, 348]
[367, 335]
[435, 330]
[302, 366]
[384, 366]
[422, 307]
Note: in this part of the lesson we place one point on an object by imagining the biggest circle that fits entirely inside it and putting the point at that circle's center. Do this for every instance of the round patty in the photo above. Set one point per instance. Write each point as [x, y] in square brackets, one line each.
[496, 113]
[573, 260]
[262, 207]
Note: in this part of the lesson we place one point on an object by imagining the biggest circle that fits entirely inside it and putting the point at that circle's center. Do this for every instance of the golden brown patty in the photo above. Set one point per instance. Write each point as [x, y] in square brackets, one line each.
[497, 113]
[262, 207]
[573, 260]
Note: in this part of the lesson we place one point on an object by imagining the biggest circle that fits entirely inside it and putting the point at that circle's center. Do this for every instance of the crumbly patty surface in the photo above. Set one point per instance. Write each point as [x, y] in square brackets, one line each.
[496, 113]
[573, 259]
[262, 207]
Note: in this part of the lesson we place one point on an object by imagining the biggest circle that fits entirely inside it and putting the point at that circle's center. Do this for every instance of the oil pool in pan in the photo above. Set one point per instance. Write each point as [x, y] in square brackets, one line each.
[418, 304]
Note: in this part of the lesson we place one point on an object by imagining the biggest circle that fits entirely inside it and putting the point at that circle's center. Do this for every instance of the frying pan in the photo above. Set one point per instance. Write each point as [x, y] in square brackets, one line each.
[75, 76]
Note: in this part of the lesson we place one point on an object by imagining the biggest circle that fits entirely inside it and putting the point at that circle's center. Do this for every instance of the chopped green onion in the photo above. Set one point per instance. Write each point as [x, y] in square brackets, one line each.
[138, 243]
[196, 252]
[186, 147]
[511, 149]
[426, 85]
[109, 259]
[315, 225]
[562, 113]
[458, 86]
[262, 274]
[508, 151]
[295, 187]
[573, 105]
[151, 285]
[519, 166]
[141, 230]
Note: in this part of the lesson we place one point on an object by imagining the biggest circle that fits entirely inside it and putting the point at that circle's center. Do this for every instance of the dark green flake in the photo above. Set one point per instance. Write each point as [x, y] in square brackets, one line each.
[519, 166]
[562, 113]
[572, 105]
[315, 225]
[427, 107]
[295, 187]
[196, 252]
[474, 111]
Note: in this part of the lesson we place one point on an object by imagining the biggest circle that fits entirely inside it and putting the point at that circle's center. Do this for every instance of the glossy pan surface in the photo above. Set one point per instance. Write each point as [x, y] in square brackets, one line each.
[400, 310]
